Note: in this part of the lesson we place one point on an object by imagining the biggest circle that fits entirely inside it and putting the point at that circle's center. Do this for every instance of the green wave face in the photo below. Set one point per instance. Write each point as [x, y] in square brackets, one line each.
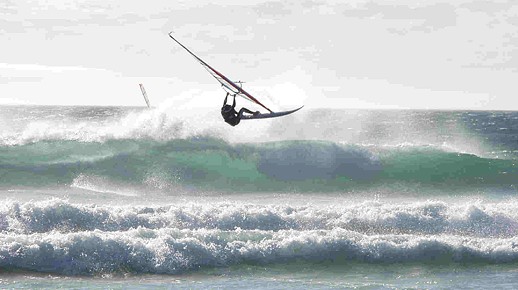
[213, 164]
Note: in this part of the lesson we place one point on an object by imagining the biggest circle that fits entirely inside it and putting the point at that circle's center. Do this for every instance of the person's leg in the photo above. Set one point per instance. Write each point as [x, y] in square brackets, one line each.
[245, 110]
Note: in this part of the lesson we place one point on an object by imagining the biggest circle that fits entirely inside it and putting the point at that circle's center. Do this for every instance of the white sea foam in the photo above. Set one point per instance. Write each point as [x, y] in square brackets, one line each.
[173, 250]
[422, 218]
[57, 236]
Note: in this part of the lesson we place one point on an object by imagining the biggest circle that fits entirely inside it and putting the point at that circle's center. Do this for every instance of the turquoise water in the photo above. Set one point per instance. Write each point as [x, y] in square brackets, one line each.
[209, 164]
[355, 276]
[131, 198]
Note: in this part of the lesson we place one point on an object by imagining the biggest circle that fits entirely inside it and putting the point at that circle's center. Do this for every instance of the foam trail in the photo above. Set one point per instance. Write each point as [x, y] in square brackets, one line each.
[100, 185]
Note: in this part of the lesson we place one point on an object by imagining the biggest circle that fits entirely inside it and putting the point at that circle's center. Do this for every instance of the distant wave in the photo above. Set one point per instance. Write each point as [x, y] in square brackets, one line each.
[59, 237]
[209, 163]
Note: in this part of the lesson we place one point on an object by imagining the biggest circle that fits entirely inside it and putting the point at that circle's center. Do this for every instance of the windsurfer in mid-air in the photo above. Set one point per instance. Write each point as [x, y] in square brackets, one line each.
[229, 112]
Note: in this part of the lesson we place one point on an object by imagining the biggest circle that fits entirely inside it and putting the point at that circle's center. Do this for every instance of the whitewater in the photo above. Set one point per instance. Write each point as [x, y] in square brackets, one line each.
[118, 197]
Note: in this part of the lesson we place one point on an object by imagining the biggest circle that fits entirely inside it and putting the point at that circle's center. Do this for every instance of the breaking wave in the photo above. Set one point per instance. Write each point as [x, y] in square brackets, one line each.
[60, 237]
[209, 163]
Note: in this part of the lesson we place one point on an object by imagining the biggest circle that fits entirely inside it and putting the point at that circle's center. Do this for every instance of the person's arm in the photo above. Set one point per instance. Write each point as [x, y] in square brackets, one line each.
[225, 101]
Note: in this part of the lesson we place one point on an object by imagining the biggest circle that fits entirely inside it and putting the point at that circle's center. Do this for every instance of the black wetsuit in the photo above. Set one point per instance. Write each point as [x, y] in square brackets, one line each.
[229, 112]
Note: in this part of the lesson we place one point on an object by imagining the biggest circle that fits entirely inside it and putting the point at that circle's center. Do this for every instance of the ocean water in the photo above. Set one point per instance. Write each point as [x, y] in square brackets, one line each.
[132, 198]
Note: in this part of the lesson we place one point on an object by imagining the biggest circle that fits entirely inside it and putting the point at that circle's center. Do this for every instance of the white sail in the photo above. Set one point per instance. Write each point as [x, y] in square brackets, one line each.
[144, 94]
[226, 83]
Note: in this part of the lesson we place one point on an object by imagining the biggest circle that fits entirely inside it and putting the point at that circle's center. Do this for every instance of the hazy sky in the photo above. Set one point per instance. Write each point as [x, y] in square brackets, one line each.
[351, 54]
